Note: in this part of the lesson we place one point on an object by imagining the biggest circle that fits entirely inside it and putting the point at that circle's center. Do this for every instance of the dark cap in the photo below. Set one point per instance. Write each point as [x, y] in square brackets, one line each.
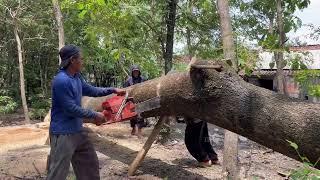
[135, 68]
[66, 53]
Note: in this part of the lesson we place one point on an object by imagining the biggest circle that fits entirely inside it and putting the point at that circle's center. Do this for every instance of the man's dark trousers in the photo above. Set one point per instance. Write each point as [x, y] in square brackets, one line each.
[77, 149]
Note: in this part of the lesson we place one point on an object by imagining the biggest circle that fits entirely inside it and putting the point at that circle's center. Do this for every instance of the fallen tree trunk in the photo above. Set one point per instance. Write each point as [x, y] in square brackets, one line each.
[224, 99]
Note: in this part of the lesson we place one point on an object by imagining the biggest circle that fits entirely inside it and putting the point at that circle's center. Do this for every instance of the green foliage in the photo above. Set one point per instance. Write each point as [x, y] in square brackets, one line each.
[198, 27]
[39, 106]
[115, 34]
[247, 58]
[180, 66]
[307, 79]
[37, 113]
[299, 61]
[316, 32]
[112, 41]
[307, 171]
[71, 176]
[7, 105]
[255, 178]
[39, 44]
[257, 20]
[294, 145]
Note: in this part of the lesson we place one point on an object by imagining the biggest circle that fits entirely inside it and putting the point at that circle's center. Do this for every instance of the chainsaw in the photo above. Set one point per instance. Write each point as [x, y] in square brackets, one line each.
[122, 108]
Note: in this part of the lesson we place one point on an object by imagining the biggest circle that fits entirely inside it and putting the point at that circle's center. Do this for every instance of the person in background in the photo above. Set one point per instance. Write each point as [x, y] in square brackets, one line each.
[198, 142]
[138, 123]
[68, 141]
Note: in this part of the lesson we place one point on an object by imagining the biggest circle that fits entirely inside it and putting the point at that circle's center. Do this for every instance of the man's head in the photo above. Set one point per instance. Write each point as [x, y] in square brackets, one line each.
[135, 71]
[71, 58]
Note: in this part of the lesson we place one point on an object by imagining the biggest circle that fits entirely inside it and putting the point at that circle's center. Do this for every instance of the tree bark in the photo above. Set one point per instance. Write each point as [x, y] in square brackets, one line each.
[279, 53]
[59, 19]
[21, 73]
[226, 32]
[188, 29]
[230, 152]
[42, 82]
[224, 99]
[171, 20]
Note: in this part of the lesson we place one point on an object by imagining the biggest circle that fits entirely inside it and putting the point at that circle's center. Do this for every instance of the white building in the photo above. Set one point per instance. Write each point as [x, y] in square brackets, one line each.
[310, 55]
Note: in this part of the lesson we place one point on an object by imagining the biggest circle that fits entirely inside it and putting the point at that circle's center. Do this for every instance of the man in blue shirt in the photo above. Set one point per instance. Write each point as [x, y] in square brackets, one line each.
[68, 141]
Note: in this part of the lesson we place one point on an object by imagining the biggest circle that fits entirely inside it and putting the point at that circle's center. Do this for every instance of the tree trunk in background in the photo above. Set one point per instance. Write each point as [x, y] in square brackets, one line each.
[167, 54]
[21, 72]
[171, 21]
[164, 135]
[189, 45]
[226, 32]
[46, 76]
[230, 152]
[279, 53]
[224, 99]
[42, 82]
[59, 19]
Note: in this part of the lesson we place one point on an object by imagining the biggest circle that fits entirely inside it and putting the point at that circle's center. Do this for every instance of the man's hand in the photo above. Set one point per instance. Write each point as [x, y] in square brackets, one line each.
[99, 119]
[120, 92]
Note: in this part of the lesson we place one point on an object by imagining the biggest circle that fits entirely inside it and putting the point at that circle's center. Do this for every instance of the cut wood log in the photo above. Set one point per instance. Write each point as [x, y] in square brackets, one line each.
[224, 99]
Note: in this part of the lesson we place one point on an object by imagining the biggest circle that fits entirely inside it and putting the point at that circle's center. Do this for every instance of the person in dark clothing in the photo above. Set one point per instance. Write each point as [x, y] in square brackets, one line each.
[137, 123]
[68, 141]
[198, 143]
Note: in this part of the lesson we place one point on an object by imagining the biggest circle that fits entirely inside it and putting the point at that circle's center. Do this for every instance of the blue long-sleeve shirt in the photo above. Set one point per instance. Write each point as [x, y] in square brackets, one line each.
[66, 111]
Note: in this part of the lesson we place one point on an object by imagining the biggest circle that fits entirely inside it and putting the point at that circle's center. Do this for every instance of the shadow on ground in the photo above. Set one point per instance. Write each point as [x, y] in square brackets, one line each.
[150, 166]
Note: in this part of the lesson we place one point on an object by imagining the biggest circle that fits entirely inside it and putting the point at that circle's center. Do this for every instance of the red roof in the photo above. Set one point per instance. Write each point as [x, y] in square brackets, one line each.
[305, 48]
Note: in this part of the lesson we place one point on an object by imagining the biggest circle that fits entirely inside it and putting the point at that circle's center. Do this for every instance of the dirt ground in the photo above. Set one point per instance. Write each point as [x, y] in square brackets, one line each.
[117, 148]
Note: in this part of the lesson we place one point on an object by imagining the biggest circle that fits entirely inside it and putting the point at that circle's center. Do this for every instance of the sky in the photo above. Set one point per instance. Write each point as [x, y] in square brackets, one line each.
[310, 15]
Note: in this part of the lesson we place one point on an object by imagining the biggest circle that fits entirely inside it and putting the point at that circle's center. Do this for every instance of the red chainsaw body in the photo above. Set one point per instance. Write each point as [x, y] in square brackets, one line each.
[112, 105]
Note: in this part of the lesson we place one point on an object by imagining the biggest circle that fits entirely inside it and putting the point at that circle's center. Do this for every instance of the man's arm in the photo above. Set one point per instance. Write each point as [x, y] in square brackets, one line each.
[143, 79]
[127, 83]
[91, 91]
[66, 99]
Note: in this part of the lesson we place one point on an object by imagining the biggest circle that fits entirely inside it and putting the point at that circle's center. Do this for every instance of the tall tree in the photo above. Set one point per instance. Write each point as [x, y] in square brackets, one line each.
[188, 31]
[230, 152]
[163, 120]
[171, 21]
[170, 17]
[279, 54]
[59, 20]
[15, 21]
